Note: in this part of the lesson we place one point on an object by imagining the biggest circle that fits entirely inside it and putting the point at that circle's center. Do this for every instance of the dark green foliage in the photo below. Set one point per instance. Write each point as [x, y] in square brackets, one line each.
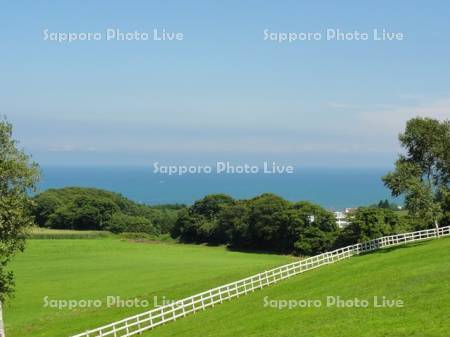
[386, 204]
[422, 175]
[120, 222]
[211, 205]
[232, 224]
[444, 199]
[265, 222]
[83, 213]
[367, 223]
[318, 231]
[199, 223]
[312, 240]
[94, 209]
[268, 220]
[45, 205]
[18, 175]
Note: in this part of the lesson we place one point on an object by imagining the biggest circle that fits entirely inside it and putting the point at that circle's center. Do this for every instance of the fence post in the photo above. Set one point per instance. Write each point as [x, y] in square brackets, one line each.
[220, 295]
[437, 228]
[211, 297]
[203, 302]
[183, 306]
[2, 327]
[150, 316]
[174, 316]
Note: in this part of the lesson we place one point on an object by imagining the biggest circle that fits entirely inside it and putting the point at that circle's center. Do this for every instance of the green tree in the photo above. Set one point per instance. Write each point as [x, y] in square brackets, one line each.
[93, 213]
[199, 223]
[211, 205]
[18, 175]
[232, 225]
[119, 223]
[311, 241]
[316, 231]
[264, 222]
[44, 206]
[267, 225]
[422, 175]
[368, 223]
[187, 226]
[92, 209]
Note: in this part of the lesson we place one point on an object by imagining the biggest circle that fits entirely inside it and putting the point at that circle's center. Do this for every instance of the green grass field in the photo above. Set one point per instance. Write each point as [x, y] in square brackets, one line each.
[418, 274]
[100, 267]
[93, 269]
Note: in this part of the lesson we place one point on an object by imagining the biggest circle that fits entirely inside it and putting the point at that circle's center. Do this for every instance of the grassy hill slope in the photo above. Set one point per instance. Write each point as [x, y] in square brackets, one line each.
[100, 267]
[417, 274]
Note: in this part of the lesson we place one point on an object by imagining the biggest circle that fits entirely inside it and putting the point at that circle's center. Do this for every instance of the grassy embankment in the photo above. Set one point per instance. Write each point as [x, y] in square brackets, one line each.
[417, 274]
[107, 266]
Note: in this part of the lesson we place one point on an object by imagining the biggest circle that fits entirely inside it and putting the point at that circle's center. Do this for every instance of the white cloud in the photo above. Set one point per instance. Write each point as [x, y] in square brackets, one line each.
[391, 121]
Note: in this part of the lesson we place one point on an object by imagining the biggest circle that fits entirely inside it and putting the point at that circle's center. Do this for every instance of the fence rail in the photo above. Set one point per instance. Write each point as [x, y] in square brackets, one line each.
[148, 320]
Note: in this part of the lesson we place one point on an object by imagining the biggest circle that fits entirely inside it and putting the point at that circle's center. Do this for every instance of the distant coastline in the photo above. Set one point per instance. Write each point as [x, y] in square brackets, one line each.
[332, 188]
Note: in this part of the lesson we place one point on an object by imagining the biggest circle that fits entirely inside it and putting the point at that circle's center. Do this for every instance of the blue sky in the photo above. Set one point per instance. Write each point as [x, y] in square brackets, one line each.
[223, 92]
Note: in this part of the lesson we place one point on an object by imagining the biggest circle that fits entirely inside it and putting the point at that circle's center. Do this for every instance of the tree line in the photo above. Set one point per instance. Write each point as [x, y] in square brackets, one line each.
[95, 209]
[266, 222]
[269, 222]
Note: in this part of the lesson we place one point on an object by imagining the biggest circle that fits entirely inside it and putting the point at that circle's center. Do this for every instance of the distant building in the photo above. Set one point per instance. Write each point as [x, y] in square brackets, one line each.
[341, 218]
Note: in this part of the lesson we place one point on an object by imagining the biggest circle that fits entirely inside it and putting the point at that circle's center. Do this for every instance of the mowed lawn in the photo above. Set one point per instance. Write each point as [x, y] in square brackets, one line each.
[418, 274]
[92, 269]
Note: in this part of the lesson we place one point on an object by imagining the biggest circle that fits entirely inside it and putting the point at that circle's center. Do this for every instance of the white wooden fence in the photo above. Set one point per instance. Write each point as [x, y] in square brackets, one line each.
[148, 320]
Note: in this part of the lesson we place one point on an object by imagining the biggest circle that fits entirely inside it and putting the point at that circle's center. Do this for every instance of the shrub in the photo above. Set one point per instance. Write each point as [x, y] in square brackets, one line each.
[92, 209]
[120, 223]
[265, 222]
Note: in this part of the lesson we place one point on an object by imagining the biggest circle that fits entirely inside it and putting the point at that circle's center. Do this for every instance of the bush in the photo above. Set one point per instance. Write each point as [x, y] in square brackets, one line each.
[265, 222]
[120, 223]
[368, 223]
[92, 209]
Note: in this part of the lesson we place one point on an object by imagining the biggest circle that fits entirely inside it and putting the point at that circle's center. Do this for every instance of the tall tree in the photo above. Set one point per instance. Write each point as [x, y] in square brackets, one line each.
[18, 175]
[368, 223]
[422, 174]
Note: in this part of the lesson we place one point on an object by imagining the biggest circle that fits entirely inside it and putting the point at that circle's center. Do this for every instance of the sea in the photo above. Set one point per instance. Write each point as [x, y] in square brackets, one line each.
[332, 188]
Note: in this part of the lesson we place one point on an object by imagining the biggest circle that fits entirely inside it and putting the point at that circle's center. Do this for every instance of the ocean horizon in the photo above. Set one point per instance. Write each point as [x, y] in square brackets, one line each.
[332, 188]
